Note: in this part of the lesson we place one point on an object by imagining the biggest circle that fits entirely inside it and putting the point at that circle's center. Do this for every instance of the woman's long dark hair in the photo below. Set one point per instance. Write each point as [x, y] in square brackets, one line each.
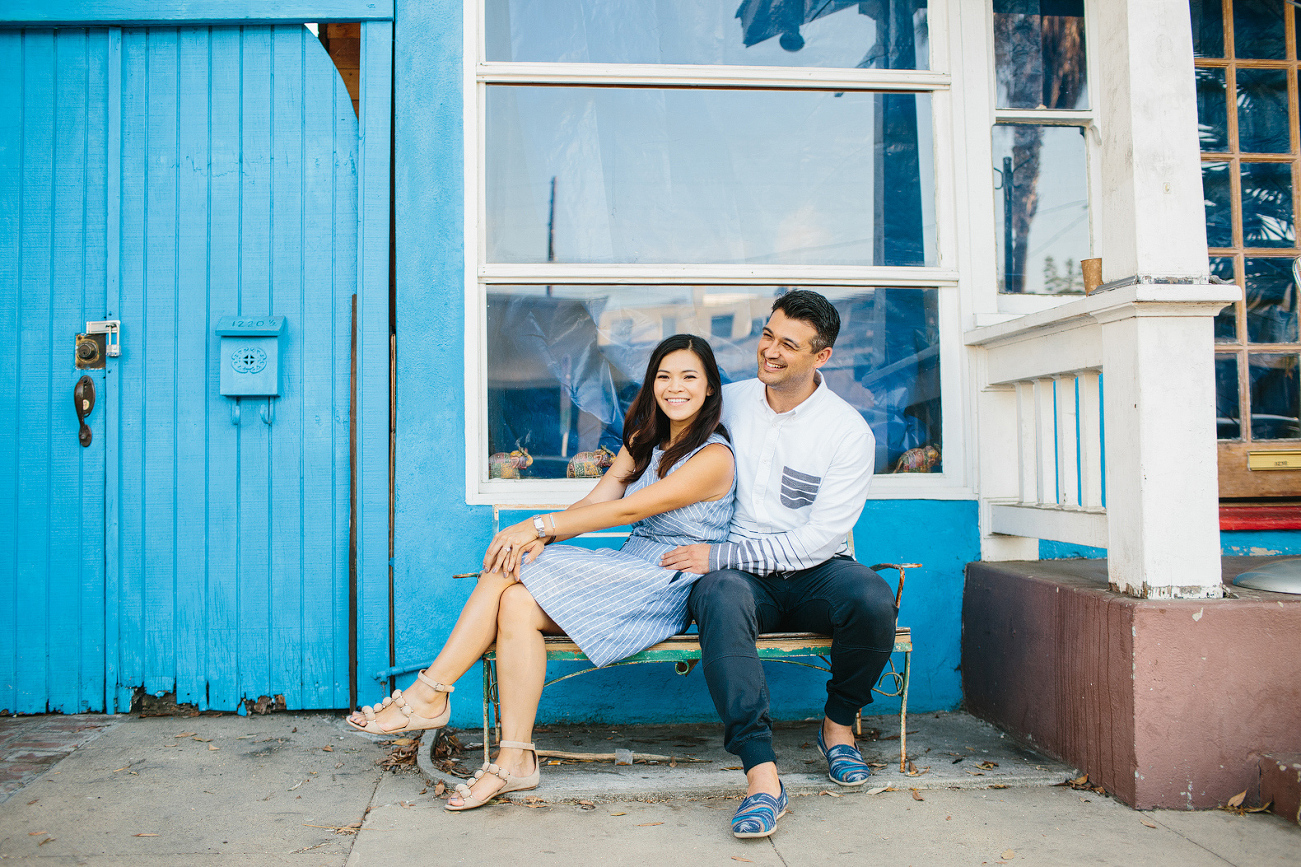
[646, 426]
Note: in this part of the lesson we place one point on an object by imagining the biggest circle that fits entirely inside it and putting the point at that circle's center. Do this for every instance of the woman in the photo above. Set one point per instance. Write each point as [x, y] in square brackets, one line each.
[674, 480]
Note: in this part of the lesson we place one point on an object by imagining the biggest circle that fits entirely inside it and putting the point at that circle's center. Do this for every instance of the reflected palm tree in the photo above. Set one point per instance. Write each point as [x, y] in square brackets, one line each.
[1059, 41]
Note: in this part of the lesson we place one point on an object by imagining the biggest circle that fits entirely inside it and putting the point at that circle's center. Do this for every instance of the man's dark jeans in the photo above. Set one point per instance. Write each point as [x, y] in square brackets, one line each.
[841, 598]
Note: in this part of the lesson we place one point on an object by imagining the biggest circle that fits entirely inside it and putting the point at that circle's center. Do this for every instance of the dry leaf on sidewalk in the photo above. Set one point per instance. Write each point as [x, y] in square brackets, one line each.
[1147, 822]
[328, 748]
[36, 833]
[1009, 855]
[739, 858]
[144, 835]
[917, 796]
[649, 824]
[1236, 800]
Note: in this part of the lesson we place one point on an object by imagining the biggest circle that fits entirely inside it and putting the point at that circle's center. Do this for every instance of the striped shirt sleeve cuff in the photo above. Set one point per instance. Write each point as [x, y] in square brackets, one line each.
[724, 555]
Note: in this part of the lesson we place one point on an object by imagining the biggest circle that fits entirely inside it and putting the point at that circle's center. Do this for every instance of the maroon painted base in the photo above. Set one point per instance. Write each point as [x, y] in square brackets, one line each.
[1164, 703]
[1280, 784]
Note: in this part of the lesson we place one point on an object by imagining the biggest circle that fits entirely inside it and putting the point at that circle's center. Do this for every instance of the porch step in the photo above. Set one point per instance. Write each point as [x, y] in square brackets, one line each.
[1280, 782]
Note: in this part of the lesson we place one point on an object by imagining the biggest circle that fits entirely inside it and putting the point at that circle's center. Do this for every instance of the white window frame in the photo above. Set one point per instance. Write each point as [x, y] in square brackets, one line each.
[952, 483]
[976, 89]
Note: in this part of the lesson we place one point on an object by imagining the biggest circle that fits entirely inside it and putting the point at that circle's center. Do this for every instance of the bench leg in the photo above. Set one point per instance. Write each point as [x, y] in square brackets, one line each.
[903, 714]
[489, 689]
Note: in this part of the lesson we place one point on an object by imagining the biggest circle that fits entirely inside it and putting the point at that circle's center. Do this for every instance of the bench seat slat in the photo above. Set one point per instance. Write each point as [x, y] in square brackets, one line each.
[687, 647]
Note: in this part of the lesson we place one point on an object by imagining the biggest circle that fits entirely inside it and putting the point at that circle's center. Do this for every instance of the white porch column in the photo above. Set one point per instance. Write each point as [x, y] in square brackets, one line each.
[1153, 217]
[1162, 495]
[1163, 528]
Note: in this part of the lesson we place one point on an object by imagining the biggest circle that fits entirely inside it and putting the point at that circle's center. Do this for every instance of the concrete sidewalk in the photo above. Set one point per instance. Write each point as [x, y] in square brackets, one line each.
[302, 789]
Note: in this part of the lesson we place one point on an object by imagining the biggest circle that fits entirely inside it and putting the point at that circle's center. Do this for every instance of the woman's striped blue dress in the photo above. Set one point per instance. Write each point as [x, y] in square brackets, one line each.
[615, 603]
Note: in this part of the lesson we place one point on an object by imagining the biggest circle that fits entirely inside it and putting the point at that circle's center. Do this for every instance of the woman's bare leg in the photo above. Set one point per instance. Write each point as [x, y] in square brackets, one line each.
[474, 631]
[521, 672]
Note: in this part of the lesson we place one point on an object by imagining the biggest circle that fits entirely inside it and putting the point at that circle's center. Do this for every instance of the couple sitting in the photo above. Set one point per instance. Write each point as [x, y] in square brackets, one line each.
[745, 536]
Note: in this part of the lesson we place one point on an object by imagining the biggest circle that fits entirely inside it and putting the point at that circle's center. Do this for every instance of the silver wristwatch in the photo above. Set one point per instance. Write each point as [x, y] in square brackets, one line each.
[540, 527]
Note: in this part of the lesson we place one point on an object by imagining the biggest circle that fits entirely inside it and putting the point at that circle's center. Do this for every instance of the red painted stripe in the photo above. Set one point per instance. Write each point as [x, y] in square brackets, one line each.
[1281, 517]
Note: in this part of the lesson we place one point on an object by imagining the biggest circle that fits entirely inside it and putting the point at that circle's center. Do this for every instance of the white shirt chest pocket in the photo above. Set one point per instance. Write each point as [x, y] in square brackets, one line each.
[798, 490]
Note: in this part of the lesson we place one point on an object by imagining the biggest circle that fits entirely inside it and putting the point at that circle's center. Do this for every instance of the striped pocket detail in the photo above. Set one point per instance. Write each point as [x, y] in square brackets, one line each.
[798, 489]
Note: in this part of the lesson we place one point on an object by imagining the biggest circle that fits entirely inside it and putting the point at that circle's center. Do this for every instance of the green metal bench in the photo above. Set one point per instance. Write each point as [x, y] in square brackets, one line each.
[683, 651]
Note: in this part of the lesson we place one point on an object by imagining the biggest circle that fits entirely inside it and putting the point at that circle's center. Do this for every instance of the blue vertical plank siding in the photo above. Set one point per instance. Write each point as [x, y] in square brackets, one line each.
[222, 675]
[168, 176]
[11, 196]
[35, 349]
[52, 88]
[255, 297]
[192, 327]
[222, 523]
[373, 640]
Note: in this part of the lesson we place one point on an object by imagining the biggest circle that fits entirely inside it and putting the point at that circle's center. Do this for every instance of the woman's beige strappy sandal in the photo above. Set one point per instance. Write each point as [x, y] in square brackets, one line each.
[414, 723]
[512, 783]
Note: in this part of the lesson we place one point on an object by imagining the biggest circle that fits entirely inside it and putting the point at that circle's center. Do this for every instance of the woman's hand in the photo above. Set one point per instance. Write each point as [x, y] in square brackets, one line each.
[526, 553]
[507, 546]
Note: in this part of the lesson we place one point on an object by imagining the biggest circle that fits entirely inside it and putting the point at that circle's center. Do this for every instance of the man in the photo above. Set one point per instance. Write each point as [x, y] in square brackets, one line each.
[804, 460]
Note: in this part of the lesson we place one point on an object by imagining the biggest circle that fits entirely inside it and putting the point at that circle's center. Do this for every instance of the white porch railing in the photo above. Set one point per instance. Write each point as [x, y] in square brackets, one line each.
[1096, 426]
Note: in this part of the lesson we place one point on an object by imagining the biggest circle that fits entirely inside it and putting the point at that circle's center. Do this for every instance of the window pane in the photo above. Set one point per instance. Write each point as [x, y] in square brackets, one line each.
[889, 34]
[1274, 406]
[1262, 111]
[1212, 110]
[1039, 58]
[1217, 193]
[1228, 416]
[1258, 29]
[1226, 321]
[1041, 208]
[725, 176]
[1267, 205]
[1208, 27]
[565, 361]
[1271, 301]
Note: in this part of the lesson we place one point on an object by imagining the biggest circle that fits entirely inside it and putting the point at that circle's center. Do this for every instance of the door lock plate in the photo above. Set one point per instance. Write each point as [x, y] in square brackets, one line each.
[90, 351]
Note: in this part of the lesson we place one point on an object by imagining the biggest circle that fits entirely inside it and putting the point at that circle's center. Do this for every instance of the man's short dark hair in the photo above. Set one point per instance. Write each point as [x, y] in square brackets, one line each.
[808, 306]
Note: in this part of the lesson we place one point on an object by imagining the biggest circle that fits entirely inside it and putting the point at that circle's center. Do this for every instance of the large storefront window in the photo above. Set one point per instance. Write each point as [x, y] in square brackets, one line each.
[672, 166]
[1247, 66]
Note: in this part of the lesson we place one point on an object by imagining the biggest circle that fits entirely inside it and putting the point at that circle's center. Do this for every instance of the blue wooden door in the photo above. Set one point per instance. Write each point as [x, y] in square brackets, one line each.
[165, 177]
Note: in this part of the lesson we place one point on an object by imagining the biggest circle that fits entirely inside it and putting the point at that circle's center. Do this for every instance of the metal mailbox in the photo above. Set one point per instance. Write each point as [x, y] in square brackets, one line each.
[249, 355]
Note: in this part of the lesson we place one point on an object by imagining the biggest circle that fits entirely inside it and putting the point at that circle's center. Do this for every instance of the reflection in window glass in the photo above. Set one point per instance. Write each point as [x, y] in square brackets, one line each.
[1226, 321]
[1274, 392]
[1228, 415]
[1262, 111]
[683, 176]
[1258, 29]
[1271, 301]
[1267, 219]
[1039, 58]
[565, 361]
[1212, 110]
[887, 34]
[1041, 208]
[1217, 193]
[1208, 27]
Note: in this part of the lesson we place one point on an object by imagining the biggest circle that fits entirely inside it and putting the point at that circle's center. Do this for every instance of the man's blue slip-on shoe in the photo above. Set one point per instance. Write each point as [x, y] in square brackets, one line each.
[845, 764]
[758, 814]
